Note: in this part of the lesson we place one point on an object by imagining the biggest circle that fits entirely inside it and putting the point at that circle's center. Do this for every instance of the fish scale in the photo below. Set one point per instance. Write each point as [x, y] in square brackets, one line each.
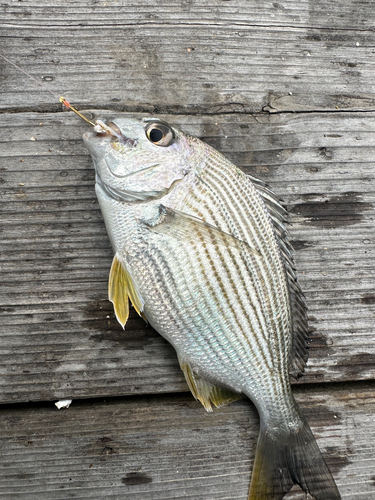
[202, 252]
[234, 215]
[175, 265]
[245, 231]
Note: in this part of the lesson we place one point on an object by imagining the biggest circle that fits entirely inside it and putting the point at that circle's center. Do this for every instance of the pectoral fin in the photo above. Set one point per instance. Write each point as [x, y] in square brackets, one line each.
[121, 288]
[205, 392]
[187, 228]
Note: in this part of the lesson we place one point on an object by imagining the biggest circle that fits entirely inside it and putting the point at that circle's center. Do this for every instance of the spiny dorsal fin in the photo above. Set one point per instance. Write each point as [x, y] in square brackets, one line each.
[205, 392]
[120, 289]
[278, 216]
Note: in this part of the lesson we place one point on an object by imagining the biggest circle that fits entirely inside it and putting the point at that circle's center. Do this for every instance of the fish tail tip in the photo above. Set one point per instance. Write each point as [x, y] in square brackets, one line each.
[284, 460]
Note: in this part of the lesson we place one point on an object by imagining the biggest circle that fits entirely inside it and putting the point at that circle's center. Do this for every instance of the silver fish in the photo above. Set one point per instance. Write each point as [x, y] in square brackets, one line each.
[202, 252]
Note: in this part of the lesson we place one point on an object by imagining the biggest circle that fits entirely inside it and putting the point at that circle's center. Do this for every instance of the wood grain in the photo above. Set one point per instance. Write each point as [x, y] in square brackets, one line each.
[170, 448]
[190, 56]
[59, 337]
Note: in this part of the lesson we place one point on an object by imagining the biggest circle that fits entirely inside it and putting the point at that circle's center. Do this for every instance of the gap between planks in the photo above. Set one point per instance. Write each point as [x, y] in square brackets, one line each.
[168, 447]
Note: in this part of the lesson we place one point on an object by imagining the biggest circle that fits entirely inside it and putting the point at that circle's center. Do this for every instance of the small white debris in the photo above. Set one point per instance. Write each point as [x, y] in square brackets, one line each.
[32, 138]
[290, 93]
[357, 44]
[64, 403]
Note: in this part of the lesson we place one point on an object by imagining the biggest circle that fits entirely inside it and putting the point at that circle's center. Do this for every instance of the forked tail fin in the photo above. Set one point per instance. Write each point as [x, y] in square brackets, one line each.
[287, 459]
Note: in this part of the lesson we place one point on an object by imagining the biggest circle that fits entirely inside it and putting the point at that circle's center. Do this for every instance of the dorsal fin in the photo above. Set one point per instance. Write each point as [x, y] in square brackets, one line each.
[121, 288]
[278, 216]
[204, 391]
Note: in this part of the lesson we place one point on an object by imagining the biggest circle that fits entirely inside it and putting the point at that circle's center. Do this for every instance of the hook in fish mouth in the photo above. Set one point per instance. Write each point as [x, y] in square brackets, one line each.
[103, 129]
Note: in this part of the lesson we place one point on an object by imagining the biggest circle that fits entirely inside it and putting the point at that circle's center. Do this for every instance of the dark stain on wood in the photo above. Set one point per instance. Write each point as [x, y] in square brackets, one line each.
[101, 318]
[103, 448]
[368, 298]
[322, 413]
[337, 458]
[135, 478]
[342, 210]
[19, 476]
[317, 340]
[100, 315]
[359, 364]
[301, 244]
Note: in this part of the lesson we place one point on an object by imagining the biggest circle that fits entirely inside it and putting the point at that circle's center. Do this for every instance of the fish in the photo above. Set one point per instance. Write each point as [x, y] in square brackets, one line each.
[203, 253]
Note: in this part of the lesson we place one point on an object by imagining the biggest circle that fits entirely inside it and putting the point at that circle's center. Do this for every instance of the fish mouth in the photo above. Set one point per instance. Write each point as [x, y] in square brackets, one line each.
[112, 131]
[121, 138]
[110, 128]
[113, 128]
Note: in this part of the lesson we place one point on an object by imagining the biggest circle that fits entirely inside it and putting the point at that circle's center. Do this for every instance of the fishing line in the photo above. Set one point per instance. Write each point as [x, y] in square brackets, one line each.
[30, 76]
[98, 125]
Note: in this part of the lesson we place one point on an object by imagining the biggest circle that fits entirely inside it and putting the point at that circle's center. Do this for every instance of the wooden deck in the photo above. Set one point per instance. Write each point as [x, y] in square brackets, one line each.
[284, 90]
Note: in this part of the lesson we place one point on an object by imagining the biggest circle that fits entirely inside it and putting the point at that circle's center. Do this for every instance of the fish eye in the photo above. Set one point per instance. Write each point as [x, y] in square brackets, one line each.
[159, 134]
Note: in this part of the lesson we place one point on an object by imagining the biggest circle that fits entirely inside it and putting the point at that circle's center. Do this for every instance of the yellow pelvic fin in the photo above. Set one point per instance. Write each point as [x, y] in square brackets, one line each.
[205, 392]
[121, 288]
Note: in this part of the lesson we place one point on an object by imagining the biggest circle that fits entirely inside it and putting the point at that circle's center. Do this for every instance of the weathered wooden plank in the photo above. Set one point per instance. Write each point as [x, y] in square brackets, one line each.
[190, 56]
[59, 337]
[82, 14]
[170, 448]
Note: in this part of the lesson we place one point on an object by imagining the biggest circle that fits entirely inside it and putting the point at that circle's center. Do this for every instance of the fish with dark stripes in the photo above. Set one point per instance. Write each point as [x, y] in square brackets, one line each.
[202, 252]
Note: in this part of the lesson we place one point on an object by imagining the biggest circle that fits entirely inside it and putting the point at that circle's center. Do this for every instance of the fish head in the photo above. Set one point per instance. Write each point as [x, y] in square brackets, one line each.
[143, 158]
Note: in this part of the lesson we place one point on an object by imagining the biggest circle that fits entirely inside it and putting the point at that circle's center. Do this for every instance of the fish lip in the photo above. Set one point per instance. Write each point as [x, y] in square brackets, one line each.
[87, 136]
[121, 138]
[88, 140]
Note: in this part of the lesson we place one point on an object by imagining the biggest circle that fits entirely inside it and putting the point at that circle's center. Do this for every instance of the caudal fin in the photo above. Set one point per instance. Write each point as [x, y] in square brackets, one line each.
[284, 460]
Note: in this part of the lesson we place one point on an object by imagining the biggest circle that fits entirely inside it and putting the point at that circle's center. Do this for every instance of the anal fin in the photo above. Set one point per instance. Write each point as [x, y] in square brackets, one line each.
[121, 288]
[205, 392]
